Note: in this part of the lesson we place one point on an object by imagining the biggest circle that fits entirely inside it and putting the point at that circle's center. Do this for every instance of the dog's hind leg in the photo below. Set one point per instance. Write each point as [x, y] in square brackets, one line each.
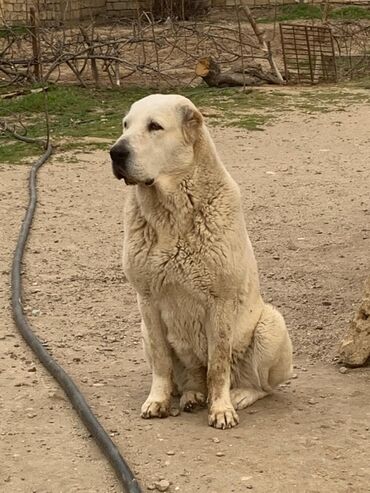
[266, 363]
[244, 397]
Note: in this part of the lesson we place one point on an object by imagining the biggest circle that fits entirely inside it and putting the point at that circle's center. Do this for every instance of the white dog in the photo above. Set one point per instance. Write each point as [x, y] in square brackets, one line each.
[207, 332]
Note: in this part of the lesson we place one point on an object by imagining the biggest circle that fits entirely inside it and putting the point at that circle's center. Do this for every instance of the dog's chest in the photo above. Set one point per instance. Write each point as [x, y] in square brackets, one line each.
[157, 258]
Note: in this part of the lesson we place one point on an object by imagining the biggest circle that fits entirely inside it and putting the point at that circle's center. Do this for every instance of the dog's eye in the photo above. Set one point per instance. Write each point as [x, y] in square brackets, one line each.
[153, 126]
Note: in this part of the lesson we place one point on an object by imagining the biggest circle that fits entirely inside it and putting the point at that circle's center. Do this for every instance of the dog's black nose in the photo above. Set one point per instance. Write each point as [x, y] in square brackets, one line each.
[119, 153]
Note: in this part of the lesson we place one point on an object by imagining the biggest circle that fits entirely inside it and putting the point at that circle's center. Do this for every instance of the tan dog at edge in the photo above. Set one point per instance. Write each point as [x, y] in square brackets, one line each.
[207, 332]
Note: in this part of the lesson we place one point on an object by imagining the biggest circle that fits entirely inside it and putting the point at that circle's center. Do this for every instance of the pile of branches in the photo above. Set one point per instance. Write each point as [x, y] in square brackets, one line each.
[147, 53]
[352, 45]
[163, 54]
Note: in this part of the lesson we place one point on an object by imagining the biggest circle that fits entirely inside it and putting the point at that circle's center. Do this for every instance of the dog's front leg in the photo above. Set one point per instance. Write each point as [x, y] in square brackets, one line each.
[158, 354]
[221, 413]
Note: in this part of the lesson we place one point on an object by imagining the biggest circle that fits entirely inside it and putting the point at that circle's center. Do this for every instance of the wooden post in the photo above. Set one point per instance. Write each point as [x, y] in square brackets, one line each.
[284, 55]
[312, 73]
[90, 43]
[265, 46]
[35, 45]
[240, 42]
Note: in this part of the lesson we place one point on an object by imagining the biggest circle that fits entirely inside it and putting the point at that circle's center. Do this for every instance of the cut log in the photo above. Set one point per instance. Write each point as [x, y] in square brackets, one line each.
[210, 71]
[355, 348]
[255, 69]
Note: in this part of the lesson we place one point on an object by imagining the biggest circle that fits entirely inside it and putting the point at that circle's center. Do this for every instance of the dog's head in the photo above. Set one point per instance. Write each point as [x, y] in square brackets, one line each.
[158, 139]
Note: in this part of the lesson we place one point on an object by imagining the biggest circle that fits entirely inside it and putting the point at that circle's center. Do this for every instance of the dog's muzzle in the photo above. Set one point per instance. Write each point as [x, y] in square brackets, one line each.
[120, 155]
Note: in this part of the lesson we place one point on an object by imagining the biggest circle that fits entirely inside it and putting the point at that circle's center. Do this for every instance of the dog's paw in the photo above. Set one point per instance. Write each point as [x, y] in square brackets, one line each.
[190, 400]
[155, 409]
[223, 419]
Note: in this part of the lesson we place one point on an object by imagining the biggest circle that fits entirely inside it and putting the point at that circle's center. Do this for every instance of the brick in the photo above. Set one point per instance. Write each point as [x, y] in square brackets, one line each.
[119, 5]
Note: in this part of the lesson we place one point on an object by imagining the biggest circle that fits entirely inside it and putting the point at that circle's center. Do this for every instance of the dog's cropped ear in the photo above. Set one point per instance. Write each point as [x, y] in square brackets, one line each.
[192, 120]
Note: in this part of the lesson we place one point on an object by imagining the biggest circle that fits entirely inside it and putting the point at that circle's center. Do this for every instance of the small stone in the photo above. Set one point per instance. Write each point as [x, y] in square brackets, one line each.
[312, 402]
[215, 440]
[174, 412]
[220, 454]
[246, 478]
[170, 452]
[162, 485]
[151, 487]
[343, 369]
[35, 312]
[57, 395]
[31, 415]
[294, 376]
[32, 369]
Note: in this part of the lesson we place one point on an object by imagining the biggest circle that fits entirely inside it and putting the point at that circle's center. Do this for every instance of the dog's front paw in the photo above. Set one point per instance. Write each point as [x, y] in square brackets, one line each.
[190, 400]
[155, 409]
[222, 418]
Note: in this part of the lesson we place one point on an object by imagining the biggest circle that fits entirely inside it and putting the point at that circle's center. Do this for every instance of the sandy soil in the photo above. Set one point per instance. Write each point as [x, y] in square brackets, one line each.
[305, 183]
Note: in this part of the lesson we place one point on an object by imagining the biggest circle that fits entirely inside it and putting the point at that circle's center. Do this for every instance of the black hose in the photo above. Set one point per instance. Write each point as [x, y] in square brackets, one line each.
[124, 473]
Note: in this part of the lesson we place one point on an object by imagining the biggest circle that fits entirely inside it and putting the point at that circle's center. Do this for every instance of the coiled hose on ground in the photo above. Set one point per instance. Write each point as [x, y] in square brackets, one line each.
[123, 471]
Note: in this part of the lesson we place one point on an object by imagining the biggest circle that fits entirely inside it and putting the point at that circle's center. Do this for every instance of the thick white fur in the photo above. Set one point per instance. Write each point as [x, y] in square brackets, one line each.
[206, 330]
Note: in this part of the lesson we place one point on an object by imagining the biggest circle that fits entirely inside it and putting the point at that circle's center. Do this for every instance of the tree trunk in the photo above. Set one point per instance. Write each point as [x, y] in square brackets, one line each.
[252, 75]
[265, 45]
[355, 348]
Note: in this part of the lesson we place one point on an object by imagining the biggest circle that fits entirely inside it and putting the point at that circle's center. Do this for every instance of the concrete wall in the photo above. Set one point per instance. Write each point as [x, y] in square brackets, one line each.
[17, 11]
[13, 10]
[54, 11]
[126, 7]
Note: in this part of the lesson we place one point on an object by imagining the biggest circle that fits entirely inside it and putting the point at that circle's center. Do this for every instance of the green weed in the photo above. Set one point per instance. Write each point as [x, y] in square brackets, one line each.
[76, 113]
[304, 11]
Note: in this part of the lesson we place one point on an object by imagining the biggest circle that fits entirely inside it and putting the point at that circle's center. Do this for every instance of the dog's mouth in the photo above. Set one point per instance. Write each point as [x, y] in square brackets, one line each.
[121, 175]
[131, 181]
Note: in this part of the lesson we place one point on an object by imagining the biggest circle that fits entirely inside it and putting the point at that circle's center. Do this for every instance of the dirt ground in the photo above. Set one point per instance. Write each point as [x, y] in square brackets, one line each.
[305, 183]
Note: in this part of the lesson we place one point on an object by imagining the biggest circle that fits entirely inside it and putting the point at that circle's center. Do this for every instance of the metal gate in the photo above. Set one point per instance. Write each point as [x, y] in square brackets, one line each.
[308, 53]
